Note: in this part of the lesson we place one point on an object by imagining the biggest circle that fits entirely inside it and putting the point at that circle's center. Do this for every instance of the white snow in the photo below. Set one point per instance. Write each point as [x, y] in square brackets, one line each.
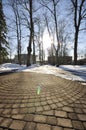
[7, 67]
[69, 72]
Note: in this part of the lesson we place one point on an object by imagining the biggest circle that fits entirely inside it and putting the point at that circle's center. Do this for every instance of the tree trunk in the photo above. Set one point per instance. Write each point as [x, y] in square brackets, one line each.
[40, 53]
[34, 57]
[29, 49]
[0, 53]
[19, 51]
[79, 16]
[75, 47]
[18, 30]
[29, 56]
[57, 37]
[57, 57]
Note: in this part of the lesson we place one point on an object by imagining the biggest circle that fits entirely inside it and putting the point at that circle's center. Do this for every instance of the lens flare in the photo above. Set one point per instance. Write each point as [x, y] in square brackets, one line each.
[38, 90]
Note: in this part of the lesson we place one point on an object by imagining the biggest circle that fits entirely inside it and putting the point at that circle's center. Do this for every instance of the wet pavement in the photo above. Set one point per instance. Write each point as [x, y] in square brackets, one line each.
[32, 101]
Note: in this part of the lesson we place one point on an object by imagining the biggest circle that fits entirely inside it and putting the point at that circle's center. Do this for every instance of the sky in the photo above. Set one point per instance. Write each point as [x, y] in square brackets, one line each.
[46, 38]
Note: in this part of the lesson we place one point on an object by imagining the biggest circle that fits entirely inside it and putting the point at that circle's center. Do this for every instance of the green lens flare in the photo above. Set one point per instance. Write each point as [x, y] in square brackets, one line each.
[38, 90]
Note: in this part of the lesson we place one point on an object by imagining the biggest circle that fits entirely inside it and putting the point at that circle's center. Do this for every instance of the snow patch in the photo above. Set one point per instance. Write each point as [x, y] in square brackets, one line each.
[70, 72]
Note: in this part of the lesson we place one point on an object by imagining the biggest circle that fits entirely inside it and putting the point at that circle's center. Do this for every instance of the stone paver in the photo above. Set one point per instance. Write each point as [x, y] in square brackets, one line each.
[61, 104]
[82, 117]
[50, 112]
[29, 117]
[40, 118]
[64, 122]
[18, 116]
[61, 113]
[19, 125]
[57, 128]
[6, 122]
[72, 116]
[43, 127]
[51, 120]
[68, 129]
[67, 109]
[84, 125]
[78, 125]
[30, 126]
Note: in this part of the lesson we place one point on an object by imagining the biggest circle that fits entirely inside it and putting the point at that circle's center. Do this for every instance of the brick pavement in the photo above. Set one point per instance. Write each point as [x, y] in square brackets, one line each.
[61, 104]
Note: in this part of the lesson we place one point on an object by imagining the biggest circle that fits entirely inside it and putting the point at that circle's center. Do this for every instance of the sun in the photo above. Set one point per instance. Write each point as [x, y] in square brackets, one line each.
[46, 39]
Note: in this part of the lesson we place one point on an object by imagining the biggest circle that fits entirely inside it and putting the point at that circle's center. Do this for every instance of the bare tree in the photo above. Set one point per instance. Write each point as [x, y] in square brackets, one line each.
[52, 49]
[39, 36]
[30, 20]
[79, 13]
[15, 8]
[53, 10]
[34, 55]
[29, 48]
[64, 37]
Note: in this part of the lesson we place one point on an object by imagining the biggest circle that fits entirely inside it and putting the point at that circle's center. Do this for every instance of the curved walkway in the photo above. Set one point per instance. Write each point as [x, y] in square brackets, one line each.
[31, 101]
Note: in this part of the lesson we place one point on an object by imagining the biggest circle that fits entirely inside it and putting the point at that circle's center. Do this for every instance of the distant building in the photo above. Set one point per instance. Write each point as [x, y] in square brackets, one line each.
[23, 59]
[61, 60]
[81, 61]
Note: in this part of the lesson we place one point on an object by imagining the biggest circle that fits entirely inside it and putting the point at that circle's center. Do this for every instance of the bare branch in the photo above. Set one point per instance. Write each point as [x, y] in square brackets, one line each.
[82, 29]
[56, 2]
[26, 7]
[84, 16]
[38, 9]
[73, 3]
[47, 8]
[26, 19]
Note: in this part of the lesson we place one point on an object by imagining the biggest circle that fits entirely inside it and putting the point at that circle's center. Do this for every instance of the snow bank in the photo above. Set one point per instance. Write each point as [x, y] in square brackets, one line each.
[8, 67]
[70, 72]
[75, 73]
[74, 68]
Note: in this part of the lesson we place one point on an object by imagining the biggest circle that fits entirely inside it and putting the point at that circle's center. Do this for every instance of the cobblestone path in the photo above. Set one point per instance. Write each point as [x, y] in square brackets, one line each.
[60, 105]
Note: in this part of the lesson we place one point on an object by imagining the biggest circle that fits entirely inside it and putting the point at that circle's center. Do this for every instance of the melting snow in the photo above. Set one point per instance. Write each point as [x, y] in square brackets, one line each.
[69, 72]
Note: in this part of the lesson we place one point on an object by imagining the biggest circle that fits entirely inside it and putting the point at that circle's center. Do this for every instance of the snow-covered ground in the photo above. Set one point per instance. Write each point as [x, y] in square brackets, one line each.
[9, 67]
[69, 72]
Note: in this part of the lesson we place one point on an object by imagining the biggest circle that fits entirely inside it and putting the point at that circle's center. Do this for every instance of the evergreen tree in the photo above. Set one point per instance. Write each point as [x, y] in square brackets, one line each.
[3, 31]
